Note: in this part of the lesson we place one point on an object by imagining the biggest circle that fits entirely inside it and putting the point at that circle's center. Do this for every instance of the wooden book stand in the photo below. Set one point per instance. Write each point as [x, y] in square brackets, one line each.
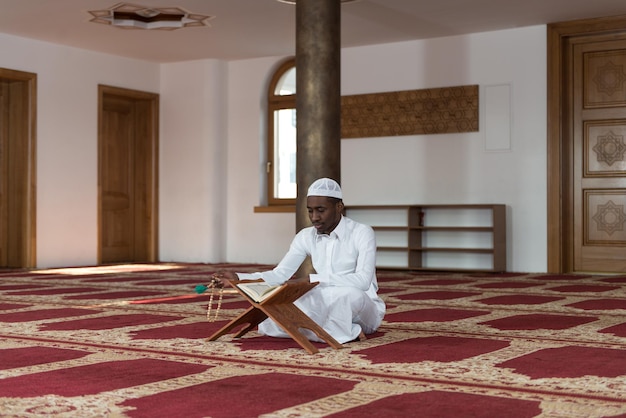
[279, 307]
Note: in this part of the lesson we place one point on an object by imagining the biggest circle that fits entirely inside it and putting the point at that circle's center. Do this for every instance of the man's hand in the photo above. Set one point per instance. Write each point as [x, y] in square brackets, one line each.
[225, 277]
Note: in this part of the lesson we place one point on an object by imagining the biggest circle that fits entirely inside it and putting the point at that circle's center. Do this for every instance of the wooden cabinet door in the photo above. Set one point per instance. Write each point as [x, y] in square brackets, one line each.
[599, 148]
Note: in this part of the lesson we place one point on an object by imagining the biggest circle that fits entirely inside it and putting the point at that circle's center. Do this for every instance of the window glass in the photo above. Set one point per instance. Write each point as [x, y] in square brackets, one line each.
[287, 83]
[285, 154]
[281, 136]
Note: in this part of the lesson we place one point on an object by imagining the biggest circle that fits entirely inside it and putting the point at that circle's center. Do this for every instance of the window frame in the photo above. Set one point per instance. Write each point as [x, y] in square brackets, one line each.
[276, 102]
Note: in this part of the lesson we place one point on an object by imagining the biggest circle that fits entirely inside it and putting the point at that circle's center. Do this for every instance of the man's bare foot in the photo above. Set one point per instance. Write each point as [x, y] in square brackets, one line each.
[361, 337]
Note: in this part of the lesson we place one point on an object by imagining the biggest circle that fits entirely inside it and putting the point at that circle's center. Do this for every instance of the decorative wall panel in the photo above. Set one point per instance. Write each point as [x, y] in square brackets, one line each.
[605, 148]
[605, 217]
[410, 112]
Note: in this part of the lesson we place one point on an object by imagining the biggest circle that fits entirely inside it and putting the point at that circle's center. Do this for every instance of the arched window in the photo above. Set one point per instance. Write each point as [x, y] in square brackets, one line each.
[281, 136]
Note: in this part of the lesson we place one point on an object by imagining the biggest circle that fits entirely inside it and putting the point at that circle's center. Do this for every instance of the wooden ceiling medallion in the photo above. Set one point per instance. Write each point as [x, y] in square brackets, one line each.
[130, 16]
[294, 1]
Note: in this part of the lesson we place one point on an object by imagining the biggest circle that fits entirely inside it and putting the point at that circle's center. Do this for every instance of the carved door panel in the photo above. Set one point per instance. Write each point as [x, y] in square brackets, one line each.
[599, 163]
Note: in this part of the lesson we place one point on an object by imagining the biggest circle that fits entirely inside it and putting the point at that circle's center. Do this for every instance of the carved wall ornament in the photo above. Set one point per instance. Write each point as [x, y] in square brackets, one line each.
[410, 112]
[610, 217]
[610, 148]
[610, 78]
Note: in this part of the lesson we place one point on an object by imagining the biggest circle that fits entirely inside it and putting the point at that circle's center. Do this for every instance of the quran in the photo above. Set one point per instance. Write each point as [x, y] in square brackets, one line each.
[258, 291]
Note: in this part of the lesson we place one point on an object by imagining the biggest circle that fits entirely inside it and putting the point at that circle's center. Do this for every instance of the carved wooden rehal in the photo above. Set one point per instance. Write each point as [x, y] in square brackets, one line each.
[410, 112]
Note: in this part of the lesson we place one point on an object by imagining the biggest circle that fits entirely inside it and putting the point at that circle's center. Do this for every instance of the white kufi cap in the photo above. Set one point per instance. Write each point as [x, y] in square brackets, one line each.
[325, 187]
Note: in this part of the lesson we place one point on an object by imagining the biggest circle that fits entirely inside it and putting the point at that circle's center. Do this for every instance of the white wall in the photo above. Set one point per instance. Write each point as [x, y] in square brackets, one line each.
[211, 164]
[411, 169]
[212, 145]
[67, 134]
[192, 160]
[251, 237]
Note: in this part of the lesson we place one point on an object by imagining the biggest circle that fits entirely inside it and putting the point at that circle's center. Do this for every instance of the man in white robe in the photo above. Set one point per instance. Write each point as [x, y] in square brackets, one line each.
[343, 253]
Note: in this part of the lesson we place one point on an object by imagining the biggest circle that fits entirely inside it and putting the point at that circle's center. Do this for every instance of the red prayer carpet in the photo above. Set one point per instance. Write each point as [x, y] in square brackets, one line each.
[131, 341]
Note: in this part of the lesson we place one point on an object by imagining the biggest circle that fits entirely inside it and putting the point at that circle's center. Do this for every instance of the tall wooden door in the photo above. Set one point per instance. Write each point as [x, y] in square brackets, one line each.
[587, 145]
[17, 168]
[599, 135]
[4, 178]
[127, 176]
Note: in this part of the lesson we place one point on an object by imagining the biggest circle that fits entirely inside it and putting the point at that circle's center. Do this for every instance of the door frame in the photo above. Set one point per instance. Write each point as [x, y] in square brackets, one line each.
[23, 133]
[153, 144]
[560, 128]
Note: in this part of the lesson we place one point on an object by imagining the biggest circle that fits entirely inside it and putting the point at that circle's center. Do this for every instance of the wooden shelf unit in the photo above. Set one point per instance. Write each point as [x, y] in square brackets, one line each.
[438, 237]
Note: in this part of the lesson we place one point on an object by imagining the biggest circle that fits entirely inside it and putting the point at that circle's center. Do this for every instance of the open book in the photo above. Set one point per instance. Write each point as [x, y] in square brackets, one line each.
[258, 291]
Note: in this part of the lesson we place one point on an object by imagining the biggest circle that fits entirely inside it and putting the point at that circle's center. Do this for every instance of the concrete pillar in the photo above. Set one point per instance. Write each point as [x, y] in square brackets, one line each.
[318, 96]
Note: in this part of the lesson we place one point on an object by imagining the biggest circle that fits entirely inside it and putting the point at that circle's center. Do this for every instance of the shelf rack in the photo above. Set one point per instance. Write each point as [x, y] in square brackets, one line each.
[438, 237]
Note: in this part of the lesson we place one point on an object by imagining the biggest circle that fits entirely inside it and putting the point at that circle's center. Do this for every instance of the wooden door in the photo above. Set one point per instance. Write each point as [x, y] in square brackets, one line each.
[127, 176]
[599, 130]
[4, 178]
[17, 168]
[117, 181]
[586, 137]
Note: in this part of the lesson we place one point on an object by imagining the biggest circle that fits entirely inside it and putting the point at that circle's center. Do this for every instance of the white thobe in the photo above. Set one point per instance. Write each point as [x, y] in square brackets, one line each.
[345, 302]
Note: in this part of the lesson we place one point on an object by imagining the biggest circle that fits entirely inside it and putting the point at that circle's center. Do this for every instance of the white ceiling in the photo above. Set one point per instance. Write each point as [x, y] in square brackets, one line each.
[244, 29]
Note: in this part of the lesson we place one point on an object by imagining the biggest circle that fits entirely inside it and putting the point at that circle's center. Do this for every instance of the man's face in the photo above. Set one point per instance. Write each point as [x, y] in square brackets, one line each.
[324, 213]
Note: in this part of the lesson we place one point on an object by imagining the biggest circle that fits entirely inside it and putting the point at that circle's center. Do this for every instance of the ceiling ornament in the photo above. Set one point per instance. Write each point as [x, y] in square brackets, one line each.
[130, 16]
[294, 1]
